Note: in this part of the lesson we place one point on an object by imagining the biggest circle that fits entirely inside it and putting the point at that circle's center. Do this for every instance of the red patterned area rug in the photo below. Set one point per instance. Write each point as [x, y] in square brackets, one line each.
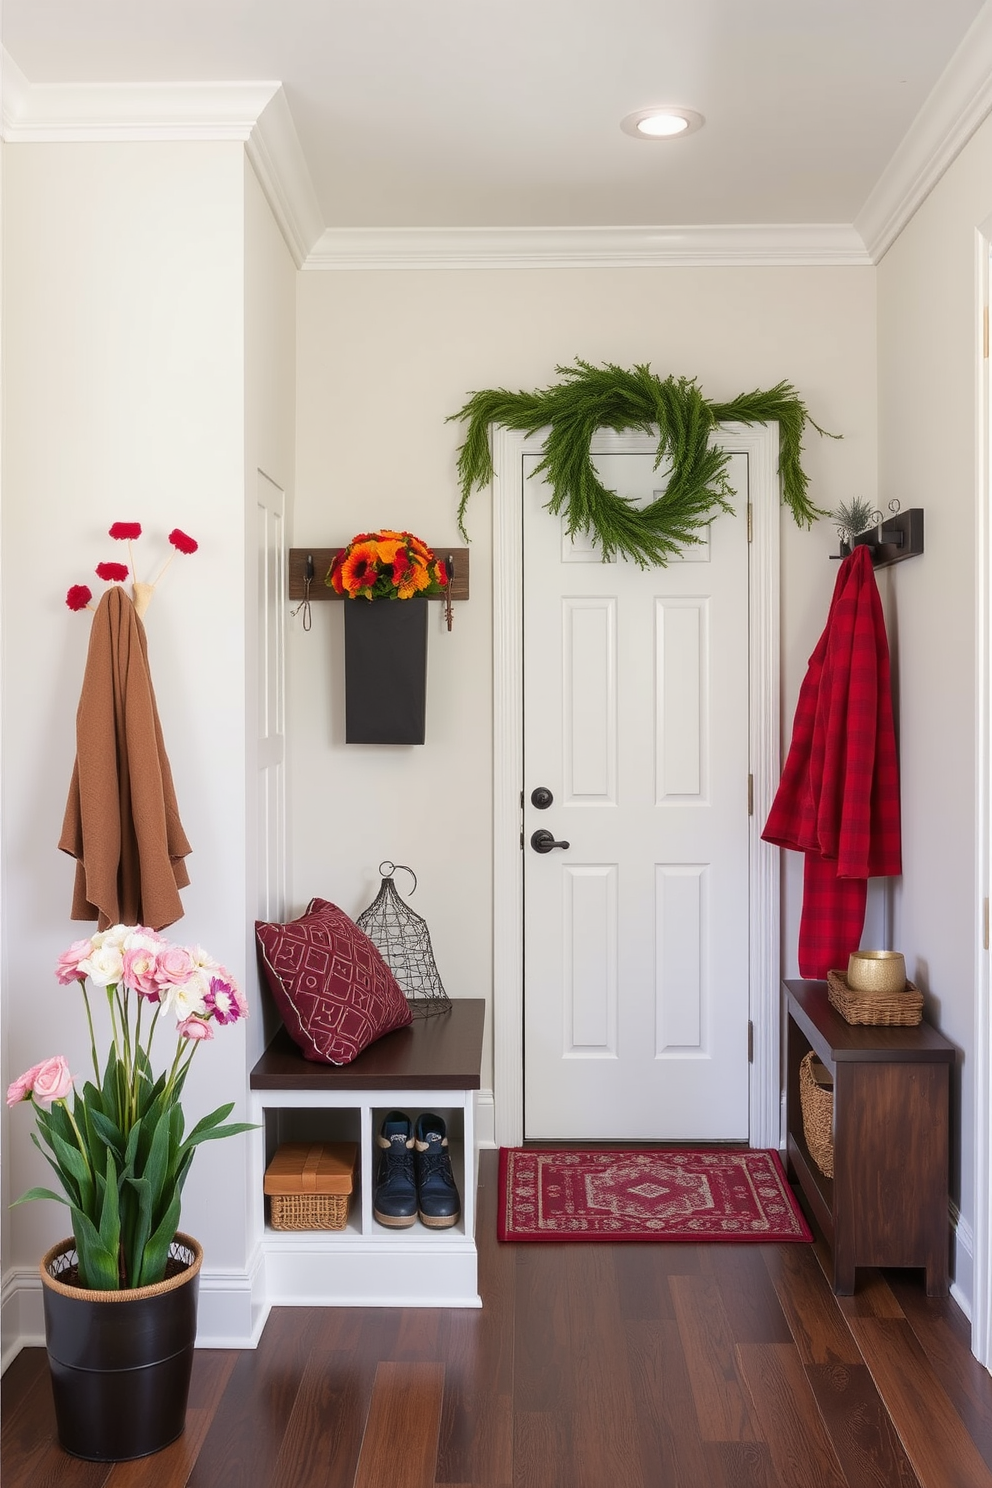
[686, 1193]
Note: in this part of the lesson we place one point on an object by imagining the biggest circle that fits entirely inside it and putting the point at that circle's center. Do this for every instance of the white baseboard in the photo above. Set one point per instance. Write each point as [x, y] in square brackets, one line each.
[231, 1311]
[22, 1323]
[485, 1119]
[962, 1261]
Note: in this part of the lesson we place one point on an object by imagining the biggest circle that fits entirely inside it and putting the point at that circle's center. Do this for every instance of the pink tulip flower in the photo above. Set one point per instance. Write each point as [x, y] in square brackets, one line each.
[52, 1081]
[175, 966]
[67, 967]
[141, 972]
[22, 1086]
[45, 1082]
[194, 1028]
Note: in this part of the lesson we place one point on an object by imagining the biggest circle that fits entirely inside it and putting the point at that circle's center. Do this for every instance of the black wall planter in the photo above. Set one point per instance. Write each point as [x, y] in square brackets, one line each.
[385, 670]
[120, 1362]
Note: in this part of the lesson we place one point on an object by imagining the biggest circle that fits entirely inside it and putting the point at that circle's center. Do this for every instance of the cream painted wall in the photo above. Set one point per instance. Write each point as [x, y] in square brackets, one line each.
[929, 341]
[124, 306]
[383, 359]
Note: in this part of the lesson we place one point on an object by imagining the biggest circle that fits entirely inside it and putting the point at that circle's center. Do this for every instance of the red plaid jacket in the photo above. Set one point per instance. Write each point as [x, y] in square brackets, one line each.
[838, 801]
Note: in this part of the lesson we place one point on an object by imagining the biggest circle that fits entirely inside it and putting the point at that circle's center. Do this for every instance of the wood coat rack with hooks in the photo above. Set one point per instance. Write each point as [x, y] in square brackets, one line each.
[895, 538]
[322, 558]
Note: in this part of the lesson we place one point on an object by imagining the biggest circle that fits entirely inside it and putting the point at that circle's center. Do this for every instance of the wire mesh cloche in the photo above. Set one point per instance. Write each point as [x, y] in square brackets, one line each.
[404, 942]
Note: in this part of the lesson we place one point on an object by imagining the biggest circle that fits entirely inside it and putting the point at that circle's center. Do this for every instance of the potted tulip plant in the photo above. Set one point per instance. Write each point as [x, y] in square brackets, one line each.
[386, 644]
[120, 1295]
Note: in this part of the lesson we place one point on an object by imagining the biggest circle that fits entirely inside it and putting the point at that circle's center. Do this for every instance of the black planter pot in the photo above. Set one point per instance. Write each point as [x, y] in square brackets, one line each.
[120, 1361]
[385, 670]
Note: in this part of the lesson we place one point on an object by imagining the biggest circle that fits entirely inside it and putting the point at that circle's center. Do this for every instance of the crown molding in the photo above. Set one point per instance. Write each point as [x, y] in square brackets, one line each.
[56, 113]
[277, 157]
[959, 102]
[587, 247]
[256, 113]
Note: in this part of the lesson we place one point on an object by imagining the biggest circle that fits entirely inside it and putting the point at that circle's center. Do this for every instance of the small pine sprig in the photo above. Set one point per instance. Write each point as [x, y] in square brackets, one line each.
[855, 516]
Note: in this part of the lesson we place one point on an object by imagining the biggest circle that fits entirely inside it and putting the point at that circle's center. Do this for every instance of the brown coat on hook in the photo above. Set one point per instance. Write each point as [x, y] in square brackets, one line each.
[121, 819]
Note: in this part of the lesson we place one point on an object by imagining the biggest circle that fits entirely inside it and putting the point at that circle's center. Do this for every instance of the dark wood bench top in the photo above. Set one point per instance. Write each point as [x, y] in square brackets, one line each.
[861, 1043]
[443, 1052]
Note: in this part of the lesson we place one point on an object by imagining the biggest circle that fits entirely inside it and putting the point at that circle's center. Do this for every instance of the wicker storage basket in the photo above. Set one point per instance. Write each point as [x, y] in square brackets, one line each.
[895, 1009]
[816, 1096]
[309, 1185]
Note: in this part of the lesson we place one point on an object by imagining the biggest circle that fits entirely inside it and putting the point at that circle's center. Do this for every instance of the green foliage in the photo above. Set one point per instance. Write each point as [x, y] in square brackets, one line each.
[118, 1147]
[124, 1194]
[855, 516]
[590, 398]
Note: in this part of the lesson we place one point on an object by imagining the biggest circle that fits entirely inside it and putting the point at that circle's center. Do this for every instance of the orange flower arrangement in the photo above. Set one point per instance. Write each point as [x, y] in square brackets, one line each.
[387, 565]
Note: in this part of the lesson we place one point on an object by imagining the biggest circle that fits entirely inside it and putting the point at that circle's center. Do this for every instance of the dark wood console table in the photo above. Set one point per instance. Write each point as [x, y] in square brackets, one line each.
[886, 1204]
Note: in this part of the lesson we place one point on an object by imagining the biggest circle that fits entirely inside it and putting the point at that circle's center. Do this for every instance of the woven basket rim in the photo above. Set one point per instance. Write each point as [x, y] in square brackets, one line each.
[838, 979]
[128, 1294]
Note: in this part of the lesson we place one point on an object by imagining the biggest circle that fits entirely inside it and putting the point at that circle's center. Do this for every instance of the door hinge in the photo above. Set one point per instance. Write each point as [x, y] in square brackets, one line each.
[750, 521]
[750, 795]
[750, 1042]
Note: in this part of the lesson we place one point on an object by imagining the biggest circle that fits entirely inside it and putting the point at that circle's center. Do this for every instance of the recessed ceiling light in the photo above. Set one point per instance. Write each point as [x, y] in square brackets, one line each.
[661, 123]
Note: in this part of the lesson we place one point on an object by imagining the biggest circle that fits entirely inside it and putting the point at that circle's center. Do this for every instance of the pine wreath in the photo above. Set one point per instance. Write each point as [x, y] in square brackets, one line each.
[609, 397]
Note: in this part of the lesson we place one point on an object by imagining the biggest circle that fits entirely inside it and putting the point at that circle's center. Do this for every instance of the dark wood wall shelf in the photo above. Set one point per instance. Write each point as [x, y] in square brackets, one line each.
[324, 557]
[886, 1204]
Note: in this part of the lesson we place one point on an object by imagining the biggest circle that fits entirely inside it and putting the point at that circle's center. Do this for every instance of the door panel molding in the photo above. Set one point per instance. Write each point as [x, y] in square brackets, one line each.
[760, 445]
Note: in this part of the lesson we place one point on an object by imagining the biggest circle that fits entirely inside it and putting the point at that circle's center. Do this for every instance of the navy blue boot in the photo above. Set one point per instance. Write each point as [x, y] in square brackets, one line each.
[438, 1196]
[394, 1198]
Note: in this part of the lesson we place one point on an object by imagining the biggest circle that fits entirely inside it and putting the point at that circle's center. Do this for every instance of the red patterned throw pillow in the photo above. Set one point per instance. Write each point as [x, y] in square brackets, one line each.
[334, 991]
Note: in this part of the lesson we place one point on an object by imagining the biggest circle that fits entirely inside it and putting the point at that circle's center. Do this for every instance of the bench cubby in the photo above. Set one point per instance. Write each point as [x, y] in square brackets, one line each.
[433, 1065]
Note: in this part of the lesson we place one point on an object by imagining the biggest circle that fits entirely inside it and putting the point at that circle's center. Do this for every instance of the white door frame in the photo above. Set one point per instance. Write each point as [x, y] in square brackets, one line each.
[760, 444]
[981, 1298]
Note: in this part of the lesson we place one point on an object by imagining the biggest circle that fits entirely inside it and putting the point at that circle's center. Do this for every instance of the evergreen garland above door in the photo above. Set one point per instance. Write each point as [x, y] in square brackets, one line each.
[608, 397]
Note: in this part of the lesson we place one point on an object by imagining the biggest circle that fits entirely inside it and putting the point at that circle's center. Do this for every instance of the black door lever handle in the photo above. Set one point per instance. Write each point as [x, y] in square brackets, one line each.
[543, 841]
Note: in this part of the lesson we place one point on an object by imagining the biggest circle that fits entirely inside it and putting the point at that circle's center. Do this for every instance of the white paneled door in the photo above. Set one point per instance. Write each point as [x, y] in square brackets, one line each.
[636, 995]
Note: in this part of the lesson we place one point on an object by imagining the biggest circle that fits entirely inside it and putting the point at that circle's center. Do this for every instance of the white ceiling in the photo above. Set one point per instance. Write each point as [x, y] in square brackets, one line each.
[506, 113]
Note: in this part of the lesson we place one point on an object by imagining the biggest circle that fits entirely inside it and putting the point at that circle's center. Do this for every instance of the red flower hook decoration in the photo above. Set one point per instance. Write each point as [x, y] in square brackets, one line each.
[79, 596]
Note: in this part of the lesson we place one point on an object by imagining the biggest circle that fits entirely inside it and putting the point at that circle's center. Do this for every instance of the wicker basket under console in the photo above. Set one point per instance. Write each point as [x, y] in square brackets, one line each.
[816, 1096]
[309, 1185]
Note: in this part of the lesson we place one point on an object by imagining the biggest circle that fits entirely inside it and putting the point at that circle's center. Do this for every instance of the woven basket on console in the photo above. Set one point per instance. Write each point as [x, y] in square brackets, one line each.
[816, 1096]
[892, 1009]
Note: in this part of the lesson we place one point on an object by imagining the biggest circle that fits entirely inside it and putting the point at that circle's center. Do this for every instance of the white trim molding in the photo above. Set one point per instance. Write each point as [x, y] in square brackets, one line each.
[962, 1268]
[258, 113]
[718, 246]
[73, 113]
[274, 149]
[977, 1253]
[958, 103]
[760, 445]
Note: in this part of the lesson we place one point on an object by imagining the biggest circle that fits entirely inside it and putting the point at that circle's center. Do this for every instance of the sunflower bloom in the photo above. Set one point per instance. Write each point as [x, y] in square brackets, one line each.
[360, 569]
[386, 565]
[417, 580]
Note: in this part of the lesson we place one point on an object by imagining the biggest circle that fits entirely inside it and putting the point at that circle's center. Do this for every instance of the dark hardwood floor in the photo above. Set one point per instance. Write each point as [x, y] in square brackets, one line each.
[589, 1366]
